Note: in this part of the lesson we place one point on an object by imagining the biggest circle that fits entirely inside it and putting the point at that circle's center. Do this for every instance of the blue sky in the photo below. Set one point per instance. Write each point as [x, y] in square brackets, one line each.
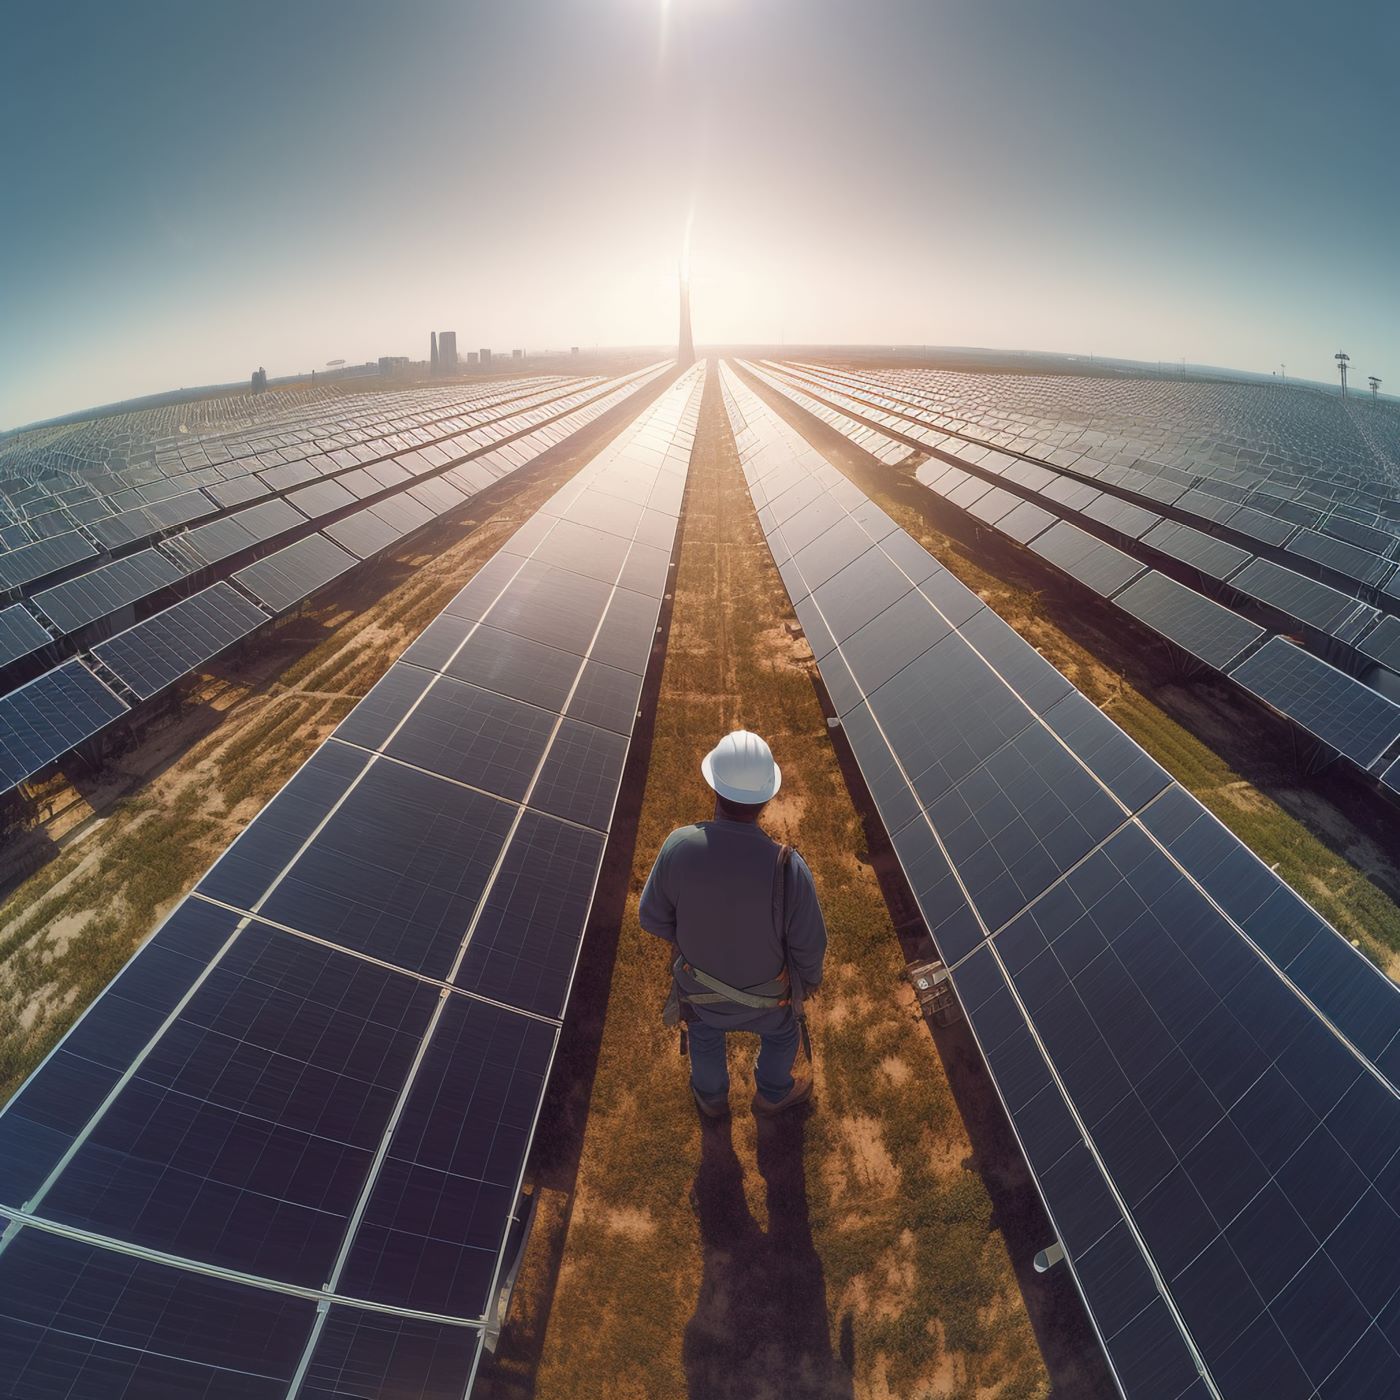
[196, 189]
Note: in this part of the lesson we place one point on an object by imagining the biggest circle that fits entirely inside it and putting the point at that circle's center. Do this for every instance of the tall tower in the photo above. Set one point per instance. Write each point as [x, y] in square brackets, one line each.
[685, 355]
[1375, 389]
[1343, 359]
[435, 354]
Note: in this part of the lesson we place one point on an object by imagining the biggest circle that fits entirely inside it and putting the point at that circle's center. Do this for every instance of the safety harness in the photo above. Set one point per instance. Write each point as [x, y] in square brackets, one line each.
[783, 990]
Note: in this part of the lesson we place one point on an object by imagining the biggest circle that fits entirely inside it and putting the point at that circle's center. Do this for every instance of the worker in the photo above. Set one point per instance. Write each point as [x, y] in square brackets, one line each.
[742, 913]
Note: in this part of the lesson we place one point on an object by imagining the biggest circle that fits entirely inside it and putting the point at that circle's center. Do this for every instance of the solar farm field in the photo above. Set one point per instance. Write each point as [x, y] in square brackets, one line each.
[339, 744]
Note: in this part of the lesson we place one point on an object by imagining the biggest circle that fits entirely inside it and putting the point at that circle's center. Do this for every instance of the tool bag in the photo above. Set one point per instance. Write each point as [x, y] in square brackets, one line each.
[783, 990]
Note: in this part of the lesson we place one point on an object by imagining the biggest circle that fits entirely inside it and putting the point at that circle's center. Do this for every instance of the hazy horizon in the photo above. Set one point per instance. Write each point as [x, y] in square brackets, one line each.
[209, 191]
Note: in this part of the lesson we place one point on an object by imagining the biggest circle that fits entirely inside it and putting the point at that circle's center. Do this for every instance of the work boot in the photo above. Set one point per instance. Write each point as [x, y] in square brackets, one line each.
[800, 1092]
[712, 1106]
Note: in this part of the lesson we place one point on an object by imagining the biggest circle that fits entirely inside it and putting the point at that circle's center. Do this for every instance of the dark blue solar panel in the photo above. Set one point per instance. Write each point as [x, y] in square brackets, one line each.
[1097, 565]
[474, 736]
[293, 573]
[294, 1092]
[25, 563]
[41, 721]
[246, 1132]
[41, 1121]
[157, 652]
[1331, 705]
[1197, 624]
[433, 1227]
[82, 1323]
[97, 593]
[21, 634]
[396, 870]
[359, 1354]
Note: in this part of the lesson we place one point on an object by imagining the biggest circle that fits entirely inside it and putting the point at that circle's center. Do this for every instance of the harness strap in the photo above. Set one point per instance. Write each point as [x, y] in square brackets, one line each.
[763, 997]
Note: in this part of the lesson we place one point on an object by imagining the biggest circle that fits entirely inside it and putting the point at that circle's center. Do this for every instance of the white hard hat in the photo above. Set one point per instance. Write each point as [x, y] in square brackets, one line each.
[740, 767]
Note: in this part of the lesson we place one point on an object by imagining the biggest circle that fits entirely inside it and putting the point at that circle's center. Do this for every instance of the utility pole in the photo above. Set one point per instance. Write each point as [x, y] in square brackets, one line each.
[1375, 384]
[1284, 370]
[1343, 360]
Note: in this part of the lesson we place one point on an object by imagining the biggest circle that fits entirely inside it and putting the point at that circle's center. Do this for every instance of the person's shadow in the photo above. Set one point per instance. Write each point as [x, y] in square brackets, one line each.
[760, 1327]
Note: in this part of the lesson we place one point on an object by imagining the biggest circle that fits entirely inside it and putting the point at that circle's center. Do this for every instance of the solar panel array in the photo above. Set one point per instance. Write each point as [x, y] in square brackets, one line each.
[439, 439]
[1108, 482]
[1199, 626]
[279, 1155]
[274, 583]
[1202, 1074]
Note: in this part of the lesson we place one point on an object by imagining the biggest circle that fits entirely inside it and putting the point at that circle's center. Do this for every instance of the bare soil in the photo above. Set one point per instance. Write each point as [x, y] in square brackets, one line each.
[848, 1250]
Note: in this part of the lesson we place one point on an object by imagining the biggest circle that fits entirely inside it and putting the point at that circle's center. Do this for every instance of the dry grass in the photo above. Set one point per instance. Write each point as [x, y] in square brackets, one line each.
[67, 930]
[850, 1254]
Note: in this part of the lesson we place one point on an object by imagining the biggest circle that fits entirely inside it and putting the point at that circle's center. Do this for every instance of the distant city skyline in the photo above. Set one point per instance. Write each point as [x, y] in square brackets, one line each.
[217, 191]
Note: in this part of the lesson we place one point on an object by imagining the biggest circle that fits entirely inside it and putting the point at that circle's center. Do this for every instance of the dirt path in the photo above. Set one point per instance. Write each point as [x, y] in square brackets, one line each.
[847, 1251]
[153, 819]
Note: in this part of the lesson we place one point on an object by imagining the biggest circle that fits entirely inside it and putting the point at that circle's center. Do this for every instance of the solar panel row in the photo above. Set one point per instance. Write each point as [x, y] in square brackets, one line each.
[206, 544]
[280, 1154]
[391, 423]
[1344, 713]
[1164, 443]
[1201, 1073]
[856, 394]
[280, 581]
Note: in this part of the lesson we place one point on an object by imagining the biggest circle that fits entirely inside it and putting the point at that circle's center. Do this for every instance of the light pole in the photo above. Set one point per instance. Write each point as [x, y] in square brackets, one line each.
[1343, 360]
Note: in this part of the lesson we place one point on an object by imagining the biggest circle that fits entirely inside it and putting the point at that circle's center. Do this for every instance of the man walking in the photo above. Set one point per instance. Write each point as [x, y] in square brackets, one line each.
[743, 915]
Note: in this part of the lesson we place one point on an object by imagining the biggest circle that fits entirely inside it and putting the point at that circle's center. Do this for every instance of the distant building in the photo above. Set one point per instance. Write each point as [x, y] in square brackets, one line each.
[393, 364]
[259, 380]
[517, 354]
[433, 361]
[472, 357]
[447, 351]
[573, 349]
[485, 358]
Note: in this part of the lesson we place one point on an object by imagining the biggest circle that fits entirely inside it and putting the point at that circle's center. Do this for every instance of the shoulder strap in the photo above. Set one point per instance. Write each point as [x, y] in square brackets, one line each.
[780, 871]
[780, 878]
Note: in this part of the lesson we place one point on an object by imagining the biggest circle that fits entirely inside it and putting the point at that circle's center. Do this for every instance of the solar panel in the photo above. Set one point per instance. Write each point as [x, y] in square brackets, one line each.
[363, 533]
[41, 721]
[1382, 643]
[1197, 624]
[1292, 593]
[31, 561]
[302, 1111]
[79, 1321]
[402, 513]
[1331, 705]
[1092, 562]
[1191, 1059]
[21, 634]
[239, 491]
[291, 574]
[1122, 516]
[1216, 558]
[437, 495]
[321, 498]
[1025, 522]
[244, 529]
[158, 651]
[1352, 560]
[100, 592]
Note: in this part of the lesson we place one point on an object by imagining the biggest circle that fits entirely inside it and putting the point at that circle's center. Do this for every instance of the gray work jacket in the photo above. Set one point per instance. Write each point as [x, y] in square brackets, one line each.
[710, 894]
